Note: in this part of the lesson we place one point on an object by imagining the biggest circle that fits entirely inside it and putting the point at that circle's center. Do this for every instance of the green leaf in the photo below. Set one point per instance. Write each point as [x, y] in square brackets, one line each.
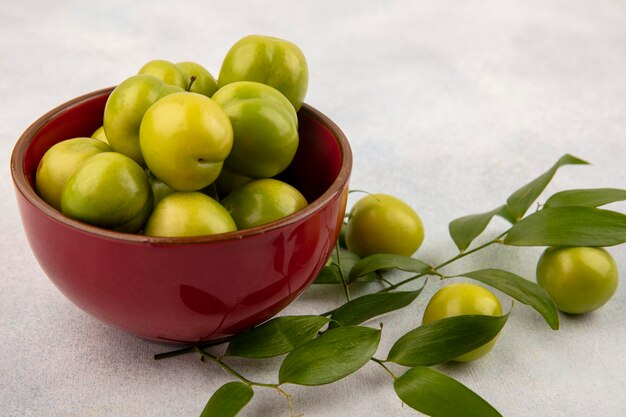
[343, 260]
[371, 305]
[506, 214]
[437, 395]
[377, 262]
[330, 357]
[328, 275]
[569, 226]
[275, 337]
[594, 197]
[465, 229]
[522, 199]
[521, 289]
[228, 400]
[443, 340]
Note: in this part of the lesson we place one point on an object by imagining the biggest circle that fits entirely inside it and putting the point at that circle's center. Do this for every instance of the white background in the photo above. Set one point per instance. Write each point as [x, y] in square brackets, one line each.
[449, 105]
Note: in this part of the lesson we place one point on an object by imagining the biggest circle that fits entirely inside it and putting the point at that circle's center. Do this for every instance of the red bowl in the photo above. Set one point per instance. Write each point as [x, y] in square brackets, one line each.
[192, 289]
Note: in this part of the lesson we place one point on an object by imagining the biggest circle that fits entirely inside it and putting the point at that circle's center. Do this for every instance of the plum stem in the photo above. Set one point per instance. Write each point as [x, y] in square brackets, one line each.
[191, 81]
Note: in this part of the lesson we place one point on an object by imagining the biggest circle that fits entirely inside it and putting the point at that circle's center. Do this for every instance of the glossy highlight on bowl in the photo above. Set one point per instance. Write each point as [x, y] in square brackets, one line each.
[185, 290]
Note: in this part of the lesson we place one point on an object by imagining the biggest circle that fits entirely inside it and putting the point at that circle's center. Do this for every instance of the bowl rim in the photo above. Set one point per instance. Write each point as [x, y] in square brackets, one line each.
[28, 192]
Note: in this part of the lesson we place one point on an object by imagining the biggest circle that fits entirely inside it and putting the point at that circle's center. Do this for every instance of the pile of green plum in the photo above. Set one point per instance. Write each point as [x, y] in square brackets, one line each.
[181, 154]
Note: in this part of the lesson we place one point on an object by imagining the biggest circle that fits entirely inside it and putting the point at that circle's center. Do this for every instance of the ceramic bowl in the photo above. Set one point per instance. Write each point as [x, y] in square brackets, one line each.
[185, 290]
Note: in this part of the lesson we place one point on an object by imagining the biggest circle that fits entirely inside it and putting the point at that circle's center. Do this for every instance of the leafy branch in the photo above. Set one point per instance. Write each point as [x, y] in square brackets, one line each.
[321, 349]
[229, 399]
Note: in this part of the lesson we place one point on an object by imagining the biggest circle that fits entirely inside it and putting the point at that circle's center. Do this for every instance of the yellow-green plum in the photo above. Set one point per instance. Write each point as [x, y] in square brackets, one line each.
[100, 135]
[125, 109]
[265, 129]
[463, 299]
[268, 60]
[166, 71]
[160, 189]
[185, 138]
[109, 190]
[381, 223]
[262, 201]
[59, 163]
[188, 214]
[227, 182]
[579, 279]
[203, 82]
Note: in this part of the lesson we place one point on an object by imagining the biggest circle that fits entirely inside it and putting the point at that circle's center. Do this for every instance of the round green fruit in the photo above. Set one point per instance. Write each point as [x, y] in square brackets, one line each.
[203, 82]
[227, 182]
[184, 139]
[109, 190]
[59, 163]
[463, 299]
[380, 223]
[125, 109]
[265, 129]
[160, 190]
[188, 214]
[272, 61]
[100, 135]
[579, 279]
[165, 71]
[263, 201]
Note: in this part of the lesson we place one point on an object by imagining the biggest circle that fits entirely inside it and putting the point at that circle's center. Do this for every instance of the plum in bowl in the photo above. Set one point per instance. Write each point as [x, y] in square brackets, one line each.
[193, 289]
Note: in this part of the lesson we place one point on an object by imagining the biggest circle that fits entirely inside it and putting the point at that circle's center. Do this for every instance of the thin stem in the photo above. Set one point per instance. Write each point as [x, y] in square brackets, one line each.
[359, 191]
[385, 281]
[406, 281]
[172, 353]
[288, 397]
[191, 81]
[191, 349]
[343, 279]
[469, 252]
[231, 371]
[439, 274]
[385, 367]
[435, 270]
[206, 355]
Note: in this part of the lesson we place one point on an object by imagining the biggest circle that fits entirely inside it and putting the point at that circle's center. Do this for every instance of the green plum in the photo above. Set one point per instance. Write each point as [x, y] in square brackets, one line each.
[579, 279]
[125, 109]
[227, 182]
[203, 82]
[109, 190]
[463, 299]
[166, 71]
[211, 191]
[160, 189]
[185, 138]
[59, 163]
[100, 135]
[381, 223]
[265, 129]
[262, 201]
[272, 61]
[188, 214]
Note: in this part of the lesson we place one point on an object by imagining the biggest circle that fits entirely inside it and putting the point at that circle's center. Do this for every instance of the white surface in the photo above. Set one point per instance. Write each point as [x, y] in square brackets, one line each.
[449, 105]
